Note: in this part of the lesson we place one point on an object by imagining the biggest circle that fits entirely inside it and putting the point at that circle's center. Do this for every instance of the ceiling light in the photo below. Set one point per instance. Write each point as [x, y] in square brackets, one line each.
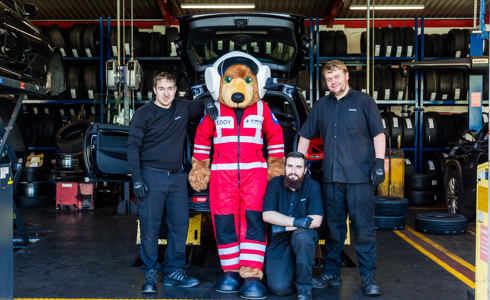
[387, 7]
[217, 6]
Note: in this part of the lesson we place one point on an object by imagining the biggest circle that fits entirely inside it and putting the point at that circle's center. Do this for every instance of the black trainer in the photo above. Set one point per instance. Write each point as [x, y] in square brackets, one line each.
[305, 294]
[150, 284]
[370, 286]
[324, 280]
[179, 278]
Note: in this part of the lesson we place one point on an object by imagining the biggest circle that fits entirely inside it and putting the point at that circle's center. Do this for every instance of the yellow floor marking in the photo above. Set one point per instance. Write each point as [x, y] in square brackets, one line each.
[442, 249]
[448, 268]
[471, 232]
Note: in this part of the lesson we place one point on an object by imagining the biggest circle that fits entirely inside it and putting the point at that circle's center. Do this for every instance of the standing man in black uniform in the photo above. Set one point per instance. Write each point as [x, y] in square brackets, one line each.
[293, 205]
[155, 152]
[353, 162]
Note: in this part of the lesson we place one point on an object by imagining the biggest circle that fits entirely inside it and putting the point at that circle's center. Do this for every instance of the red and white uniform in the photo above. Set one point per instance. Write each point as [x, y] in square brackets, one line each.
[239, 179]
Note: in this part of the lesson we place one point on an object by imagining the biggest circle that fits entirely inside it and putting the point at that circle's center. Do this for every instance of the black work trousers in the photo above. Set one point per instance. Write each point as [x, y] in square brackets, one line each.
[167, 193]
[289, 254]
[357, 200]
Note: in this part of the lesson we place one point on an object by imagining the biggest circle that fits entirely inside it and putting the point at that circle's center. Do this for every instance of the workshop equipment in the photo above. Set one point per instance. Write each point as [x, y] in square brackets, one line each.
[394, 184]
[481, 258]
[74, 195]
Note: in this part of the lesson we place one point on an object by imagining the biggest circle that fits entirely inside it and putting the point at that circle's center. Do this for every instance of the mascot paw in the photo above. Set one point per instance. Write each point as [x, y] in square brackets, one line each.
[275, 167]
[200, 174]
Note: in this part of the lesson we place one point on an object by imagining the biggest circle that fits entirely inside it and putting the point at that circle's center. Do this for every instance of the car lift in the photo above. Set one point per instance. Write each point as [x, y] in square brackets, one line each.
[10, 170]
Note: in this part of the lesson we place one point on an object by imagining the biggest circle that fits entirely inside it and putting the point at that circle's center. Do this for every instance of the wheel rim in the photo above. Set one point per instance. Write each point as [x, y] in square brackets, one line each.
[452, 192]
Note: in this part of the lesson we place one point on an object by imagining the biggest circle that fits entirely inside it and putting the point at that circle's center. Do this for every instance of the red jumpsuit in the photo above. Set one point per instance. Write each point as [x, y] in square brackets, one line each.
[239, 180]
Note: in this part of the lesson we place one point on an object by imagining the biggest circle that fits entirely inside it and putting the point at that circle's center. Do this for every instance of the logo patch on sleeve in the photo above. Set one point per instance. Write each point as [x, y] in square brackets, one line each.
[274, 119]
[253, 121]
[202, 119]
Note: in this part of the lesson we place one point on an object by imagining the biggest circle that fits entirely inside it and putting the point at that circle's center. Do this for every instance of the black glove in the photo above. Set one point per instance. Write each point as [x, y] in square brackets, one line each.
[211, 109]
[378, 172]
[140, 189]
[302, 222]
[277, 229]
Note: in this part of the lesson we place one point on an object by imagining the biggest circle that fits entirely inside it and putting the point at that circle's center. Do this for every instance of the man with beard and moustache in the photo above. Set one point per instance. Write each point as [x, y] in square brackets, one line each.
[293, 205]
[353, 164]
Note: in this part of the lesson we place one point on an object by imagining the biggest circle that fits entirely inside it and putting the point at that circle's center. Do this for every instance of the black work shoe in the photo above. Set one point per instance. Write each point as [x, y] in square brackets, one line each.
[305, 294]
[370, 286]
[150, 284]
[228, 283]
[179, 278]
[252, 288]
[324, 280]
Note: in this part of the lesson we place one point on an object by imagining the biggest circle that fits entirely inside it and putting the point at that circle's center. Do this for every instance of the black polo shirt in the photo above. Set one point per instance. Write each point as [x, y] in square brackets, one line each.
[347, 127]
[157, 135]
[298, 204]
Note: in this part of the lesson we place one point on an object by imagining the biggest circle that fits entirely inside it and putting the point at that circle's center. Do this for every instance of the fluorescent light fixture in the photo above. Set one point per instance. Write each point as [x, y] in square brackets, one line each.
[387, 7]
[217, 6]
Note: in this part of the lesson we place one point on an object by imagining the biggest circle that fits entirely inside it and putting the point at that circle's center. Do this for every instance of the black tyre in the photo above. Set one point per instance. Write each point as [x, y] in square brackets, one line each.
[444, 85]
[454, 196]
[387, 44]
[340, 43]
[389, 223]
[430, 129]
[391, 206]
[419, 181]
[408, 138]
[441, 223]
[431, 85]
[420, 198]
[69, 138]
[396, 127]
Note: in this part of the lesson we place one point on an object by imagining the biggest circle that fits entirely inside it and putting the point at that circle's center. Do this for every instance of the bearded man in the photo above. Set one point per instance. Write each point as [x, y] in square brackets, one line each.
[293, 205]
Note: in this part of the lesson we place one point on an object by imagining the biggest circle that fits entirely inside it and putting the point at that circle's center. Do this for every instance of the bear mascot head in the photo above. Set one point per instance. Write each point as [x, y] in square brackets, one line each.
[238, 174]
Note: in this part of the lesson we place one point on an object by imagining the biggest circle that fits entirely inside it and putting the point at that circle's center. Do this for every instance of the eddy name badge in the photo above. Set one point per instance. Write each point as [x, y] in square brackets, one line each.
[225, 122]
[253, 121]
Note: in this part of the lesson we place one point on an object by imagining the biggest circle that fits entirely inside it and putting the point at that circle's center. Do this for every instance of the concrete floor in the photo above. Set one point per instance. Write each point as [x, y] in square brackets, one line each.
[91, 255]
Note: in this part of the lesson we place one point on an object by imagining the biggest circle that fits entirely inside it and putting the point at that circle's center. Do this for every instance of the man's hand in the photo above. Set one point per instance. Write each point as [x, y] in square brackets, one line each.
[378, 172]
[140, 189]
[302, 222]
[211, 109]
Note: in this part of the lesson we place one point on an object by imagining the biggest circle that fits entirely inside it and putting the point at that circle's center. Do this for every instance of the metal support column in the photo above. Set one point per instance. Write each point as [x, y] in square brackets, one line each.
[476, 87]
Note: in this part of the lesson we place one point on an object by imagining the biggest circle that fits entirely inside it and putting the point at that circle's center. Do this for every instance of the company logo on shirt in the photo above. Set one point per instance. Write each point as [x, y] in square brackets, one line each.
[352, 109]
[176, 118]
[304, 199]
[253, 121]
[225, 122]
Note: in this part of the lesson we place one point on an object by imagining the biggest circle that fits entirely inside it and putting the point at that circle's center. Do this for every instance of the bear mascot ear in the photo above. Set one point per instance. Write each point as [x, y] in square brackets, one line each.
[212, 75]
[213, 81]
[262, 75]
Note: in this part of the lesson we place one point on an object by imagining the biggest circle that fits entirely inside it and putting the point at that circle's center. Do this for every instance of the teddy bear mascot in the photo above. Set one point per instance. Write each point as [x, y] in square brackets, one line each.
[238, 174]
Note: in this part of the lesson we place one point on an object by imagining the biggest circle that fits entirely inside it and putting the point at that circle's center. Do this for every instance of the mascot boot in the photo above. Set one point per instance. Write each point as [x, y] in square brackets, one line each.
[229, 283]
[252, 287]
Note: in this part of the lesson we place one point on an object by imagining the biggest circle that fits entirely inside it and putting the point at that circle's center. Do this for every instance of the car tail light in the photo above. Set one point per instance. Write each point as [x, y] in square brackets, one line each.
[199, 199]
[315, 151]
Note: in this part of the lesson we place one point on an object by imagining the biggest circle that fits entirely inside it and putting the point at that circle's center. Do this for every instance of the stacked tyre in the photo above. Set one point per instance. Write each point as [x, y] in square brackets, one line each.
[390, 213]
[420, 189]
[33, 187]
[441, 223]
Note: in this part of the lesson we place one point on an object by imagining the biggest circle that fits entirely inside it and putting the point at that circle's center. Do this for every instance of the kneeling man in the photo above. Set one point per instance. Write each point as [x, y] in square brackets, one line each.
[293, 205]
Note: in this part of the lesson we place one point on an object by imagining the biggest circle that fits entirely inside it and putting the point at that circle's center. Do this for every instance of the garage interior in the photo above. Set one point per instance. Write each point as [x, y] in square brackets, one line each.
[74, 237]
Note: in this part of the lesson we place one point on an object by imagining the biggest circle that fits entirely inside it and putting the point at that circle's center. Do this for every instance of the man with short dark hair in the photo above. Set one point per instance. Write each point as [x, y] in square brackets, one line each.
[293, 205]
[353, 163]
[155, 151]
